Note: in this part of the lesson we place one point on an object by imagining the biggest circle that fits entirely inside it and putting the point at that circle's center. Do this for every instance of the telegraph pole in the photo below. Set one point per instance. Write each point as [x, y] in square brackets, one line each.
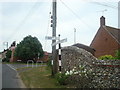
[54, 11]
[6, 44]
[74, 36]
[103, 11]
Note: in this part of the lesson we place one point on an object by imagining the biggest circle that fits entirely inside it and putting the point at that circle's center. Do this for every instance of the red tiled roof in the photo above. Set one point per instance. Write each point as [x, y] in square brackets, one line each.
[87, 48]
[114, 32]
[45, 53]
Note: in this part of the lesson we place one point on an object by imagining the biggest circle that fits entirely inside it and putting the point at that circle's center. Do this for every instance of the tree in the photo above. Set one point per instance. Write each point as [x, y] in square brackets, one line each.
[8, 54]
[29, 49]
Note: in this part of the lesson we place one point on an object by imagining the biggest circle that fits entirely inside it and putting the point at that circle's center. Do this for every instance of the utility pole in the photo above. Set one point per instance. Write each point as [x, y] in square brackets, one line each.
[74, 36]
[5, 44]
[54, 11]
[102, 11]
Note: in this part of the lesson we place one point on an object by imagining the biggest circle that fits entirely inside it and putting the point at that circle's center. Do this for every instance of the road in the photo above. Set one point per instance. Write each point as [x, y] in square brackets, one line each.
[10, 78]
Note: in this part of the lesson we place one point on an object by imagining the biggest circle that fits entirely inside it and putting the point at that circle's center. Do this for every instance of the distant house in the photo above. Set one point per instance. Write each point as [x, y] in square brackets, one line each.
[3, 54]
[106, 40]
[87, 48]
[12, 48]
[12, 59]
[45, 58]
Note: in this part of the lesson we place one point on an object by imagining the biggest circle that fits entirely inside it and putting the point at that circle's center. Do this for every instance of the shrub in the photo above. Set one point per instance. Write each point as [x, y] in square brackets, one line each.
[77, 78]
[8, 54]
[49, 63]
[80, 78]
[61, 78]
[117, 54]
[106, 57]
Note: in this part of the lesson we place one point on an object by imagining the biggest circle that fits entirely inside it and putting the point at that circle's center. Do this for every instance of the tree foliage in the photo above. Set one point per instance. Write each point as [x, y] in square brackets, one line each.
[29, 49]
[117, 54]
[8, 54]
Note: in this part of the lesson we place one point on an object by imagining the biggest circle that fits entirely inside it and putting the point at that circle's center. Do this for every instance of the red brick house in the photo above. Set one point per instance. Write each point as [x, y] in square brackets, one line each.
[106, 40]
[3, 54]
[13, 59]
[12, 48]
[46, 57]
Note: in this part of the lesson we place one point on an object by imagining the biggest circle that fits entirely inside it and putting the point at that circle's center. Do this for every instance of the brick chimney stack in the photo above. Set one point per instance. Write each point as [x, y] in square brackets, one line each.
[102, 21]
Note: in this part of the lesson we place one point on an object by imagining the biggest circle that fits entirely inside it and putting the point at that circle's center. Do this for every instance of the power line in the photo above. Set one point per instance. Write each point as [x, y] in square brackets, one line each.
[48, 26]
[102, 11]
[23, 21]
[106, 5]
[89, 27]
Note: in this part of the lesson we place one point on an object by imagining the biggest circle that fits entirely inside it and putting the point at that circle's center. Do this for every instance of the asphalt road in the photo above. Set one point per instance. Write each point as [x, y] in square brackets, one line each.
[10, 78]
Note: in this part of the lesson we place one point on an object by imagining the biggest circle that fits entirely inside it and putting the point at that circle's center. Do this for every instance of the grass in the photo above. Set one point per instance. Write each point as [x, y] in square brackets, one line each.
[23, 68]
[39, 77]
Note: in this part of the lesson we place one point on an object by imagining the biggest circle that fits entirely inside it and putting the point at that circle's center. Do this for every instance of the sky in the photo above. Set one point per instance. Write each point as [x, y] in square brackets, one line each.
[19, 19]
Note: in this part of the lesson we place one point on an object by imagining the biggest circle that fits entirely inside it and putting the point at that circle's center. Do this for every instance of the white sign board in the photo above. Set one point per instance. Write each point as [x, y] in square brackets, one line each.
[61, 41]
[51, 38]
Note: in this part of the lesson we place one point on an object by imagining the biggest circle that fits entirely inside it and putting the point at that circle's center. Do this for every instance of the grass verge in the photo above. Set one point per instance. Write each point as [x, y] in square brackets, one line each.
[39, 77]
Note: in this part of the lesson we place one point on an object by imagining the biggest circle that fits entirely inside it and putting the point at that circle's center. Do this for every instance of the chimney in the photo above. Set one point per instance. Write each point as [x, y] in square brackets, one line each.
[102, 21]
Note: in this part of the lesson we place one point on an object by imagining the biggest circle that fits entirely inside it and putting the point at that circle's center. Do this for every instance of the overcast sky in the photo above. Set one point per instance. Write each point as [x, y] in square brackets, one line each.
[20, 19]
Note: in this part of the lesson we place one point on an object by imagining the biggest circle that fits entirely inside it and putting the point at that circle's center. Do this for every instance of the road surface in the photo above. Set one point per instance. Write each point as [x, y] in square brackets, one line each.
[10, 78]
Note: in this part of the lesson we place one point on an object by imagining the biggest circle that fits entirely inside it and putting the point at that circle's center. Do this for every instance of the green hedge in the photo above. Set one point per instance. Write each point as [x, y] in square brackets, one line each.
[106, 57]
